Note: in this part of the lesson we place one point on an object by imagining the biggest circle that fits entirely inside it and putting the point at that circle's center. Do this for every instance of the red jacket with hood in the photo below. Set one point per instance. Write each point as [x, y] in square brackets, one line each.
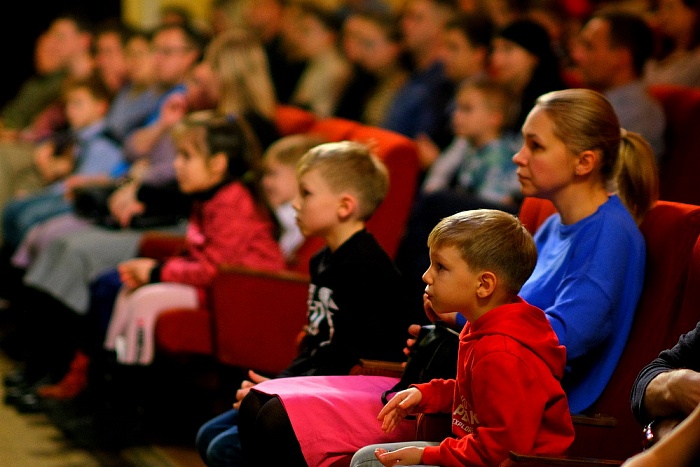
[507, 395]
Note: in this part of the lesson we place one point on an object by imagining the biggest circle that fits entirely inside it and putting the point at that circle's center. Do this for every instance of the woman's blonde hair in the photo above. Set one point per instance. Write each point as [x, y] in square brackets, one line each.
[585, 120]
[240, 63]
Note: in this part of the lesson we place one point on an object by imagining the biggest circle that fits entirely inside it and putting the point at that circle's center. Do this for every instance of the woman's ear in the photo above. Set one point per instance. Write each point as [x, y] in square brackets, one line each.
[586, 162]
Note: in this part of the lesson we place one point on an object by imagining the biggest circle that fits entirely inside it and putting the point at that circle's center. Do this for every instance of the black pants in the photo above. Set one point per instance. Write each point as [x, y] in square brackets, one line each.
[52, 334]
[267, 436]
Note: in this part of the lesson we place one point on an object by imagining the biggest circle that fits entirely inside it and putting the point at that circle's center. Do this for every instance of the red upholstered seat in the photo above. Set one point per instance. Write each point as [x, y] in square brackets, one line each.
[681, 162]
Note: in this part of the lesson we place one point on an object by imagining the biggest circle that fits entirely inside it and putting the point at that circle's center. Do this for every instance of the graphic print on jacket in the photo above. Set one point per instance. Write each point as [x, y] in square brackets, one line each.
[320, 326]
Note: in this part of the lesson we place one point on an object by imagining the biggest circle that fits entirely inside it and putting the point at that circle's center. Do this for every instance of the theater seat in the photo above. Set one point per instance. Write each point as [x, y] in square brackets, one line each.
[681, 162]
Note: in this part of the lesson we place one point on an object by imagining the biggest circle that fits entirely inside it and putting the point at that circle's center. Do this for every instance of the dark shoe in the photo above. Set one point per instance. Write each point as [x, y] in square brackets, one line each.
[14, 395]
[29, 403]
[14, 379]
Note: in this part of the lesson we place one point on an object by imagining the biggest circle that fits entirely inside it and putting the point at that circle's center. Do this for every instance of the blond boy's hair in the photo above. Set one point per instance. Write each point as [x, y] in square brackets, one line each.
[289, 149]
[492, 240]
[350, 166]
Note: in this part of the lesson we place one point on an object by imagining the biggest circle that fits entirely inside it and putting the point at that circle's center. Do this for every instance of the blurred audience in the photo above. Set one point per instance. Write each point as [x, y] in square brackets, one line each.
[676, 59]
[611, 52]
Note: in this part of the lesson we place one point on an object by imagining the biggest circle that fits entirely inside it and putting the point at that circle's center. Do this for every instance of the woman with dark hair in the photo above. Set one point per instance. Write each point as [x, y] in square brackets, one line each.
[523, 60]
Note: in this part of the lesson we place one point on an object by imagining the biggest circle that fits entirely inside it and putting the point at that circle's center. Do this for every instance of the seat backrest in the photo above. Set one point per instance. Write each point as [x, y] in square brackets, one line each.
[689, 314]
[671, 231]
[534, 211]
[291, 120]
[681, 162]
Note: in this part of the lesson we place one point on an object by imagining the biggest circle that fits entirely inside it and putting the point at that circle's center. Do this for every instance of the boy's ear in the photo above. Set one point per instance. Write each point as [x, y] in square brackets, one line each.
[487, 284]
[218, 163]
[346, 206]
[586, 162]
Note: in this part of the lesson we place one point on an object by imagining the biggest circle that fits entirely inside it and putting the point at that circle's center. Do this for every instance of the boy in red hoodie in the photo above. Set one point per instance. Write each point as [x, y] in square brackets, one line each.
[507, 395]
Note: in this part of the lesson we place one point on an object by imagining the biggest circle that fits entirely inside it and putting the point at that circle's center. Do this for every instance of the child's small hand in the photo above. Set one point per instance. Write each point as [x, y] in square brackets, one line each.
[398, 407]
[136, 272]
[246, 385]
[410, 455]
[428, 151]
[173, 110]
[124, 204]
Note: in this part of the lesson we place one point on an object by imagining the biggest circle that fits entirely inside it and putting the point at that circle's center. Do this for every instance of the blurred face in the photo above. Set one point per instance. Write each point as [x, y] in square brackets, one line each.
[421, 23]
[70, 41]
[139, 61]
[375, 52]
[597, 61]
[510, 64]
[110, 59]
[262, 16]
[195, 171]
[203, 86]
[47, 58]
[450, 283]
[313, 38]
[316, 205]
[279, 182]
[460, 57]
[82, 109]
[545, 165]
[470, 114]
[675, 19]
[352, 28]
[172, 56]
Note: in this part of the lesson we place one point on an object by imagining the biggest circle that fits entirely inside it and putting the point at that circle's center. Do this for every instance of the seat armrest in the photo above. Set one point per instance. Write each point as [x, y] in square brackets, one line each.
[594, 420]
[530, 460]
[381, 365]
[159, 245]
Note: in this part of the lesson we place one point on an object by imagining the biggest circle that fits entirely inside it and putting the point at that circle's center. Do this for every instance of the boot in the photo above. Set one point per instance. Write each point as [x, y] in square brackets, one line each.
[72, 384]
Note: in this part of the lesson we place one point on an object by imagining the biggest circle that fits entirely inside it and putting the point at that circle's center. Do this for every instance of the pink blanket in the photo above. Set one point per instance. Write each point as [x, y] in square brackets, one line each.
[334, 416]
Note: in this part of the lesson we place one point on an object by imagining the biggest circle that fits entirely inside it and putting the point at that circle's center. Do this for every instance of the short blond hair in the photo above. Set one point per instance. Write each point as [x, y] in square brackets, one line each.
[489, 239]
[350, 166]
[289, 149]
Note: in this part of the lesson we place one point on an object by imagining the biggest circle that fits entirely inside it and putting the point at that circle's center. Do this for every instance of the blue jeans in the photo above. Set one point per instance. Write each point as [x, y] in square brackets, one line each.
[218, 441]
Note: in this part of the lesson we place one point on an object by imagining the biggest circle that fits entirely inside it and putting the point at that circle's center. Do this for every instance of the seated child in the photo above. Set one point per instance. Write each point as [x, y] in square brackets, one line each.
[475, 171]
[92, 157]
[279, 183]
[356, 306]
[227, 225]
[507, 395]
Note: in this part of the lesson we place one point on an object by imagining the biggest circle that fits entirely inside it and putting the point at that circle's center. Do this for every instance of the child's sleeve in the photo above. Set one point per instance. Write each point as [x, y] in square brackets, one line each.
[231, 228]
[438, 396]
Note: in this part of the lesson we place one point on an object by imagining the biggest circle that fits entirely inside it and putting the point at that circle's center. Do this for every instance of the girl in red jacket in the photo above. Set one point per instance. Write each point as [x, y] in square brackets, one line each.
[218, 164]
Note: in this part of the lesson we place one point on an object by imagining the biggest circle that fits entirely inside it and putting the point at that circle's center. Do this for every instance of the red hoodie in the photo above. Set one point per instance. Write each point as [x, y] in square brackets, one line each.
[507, 395]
